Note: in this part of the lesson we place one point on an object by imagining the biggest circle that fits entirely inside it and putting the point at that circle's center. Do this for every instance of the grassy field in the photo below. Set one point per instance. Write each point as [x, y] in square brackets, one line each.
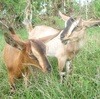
[83, 83]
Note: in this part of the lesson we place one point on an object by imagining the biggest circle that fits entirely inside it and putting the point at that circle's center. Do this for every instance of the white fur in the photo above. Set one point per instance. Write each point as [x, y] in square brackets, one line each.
[73, 26]
[56, 48]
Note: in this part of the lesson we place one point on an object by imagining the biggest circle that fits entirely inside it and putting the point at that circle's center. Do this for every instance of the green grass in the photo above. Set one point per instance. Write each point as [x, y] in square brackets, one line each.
[83, 83]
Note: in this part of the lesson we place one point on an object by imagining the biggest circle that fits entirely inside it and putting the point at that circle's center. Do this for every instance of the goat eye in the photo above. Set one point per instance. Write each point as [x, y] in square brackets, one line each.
[32, 56]
[77, 26]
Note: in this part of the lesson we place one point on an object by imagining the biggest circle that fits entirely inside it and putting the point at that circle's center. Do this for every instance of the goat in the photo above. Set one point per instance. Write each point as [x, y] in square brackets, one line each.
[66, 44]
[18, 54]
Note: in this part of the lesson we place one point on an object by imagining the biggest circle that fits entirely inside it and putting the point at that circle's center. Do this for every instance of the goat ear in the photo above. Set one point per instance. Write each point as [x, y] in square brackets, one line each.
[39, 43]
[64, 17]
[80, 21]
[14, 35]
[11, 41]
[90, 23]
[48, 38]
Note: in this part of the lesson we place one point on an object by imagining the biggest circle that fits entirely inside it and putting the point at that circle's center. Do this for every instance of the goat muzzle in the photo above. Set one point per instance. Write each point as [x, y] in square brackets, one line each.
[65, 41]
[49, 69]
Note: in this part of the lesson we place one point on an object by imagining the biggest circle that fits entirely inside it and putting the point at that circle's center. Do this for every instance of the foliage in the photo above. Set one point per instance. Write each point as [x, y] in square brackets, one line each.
[96, 9]
[13, 10]
[14, 6]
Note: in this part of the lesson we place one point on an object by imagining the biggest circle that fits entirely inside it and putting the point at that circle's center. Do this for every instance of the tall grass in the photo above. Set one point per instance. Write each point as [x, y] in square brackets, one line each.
[83, 83]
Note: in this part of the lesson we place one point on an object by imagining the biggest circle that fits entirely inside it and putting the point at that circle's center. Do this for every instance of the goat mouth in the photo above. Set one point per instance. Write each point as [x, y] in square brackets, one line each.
[65, 41]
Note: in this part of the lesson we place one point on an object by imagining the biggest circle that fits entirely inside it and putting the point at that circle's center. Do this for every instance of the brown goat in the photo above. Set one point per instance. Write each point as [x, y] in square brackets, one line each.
[18, 55]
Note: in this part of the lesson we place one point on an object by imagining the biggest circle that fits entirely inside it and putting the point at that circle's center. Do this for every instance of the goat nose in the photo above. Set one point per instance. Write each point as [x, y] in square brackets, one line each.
[49, 69]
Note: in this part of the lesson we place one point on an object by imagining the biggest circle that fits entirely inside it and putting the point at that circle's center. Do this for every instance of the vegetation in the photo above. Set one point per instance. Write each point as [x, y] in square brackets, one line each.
[14, 9]
[83, 83]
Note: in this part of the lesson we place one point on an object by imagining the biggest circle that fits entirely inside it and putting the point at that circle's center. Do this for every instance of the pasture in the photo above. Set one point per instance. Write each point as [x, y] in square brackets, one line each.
[83, 83]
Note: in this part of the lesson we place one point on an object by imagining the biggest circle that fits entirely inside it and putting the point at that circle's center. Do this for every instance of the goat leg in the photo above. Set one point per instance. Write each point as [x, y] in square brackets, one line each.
[12, 85]
[26, 78]
[12, 89]
[65, 70]
[62, 69]
[68, 68]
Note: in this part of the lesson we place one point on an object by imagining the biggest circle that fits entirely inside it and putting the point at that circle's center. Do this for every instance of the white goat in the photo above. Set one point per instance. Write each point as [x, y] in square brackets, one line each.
[65, 44]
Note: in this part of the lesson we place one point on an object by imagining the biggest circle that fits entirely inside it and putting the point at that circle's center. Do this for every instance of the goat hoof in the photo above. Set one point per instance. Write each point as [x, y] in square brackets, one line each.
[12, 92]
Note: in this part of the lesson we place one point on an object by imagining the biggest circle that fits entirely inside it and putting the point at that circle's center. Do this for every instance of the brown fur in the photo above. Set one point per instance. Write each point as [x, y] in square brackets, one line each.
[16, 55]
